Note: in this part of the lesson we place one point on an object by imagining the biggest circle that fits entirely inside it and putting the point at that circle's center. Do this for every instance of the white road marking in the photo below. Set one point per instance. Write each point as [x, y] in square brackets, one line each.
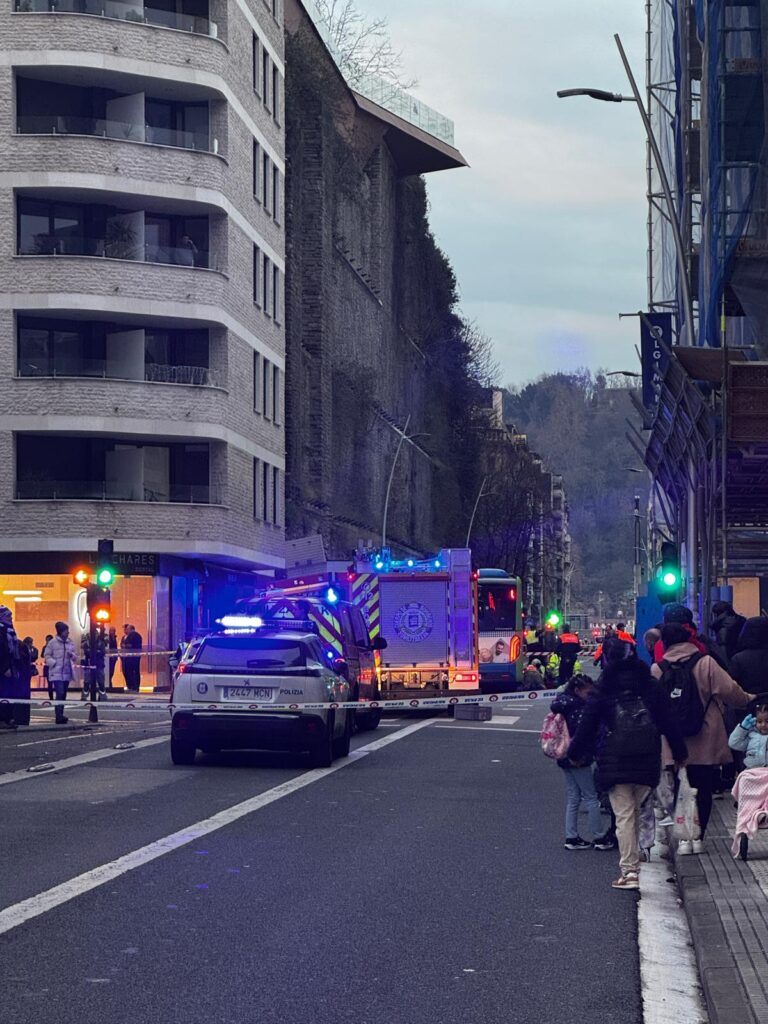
[668, 975]
[488, 728]
[95, 734]
[73, 762]
[19, 913]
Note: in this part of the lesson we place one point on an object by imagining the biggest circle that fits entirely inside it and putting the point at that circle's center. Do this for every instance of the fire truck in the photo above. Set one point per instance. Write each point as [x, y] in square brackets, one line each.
[425, 609]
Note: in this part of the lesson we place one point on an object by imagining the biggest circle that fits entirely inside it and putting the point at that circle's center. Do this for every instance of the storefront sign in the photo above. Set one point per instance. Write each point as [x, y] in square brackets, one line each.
[133, 563]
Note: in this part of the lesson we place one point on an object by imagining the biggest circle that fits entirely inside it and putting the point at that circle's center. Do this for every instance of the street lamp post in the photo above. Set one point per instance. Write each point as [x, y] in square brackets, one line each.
[389, 482]
[612, 97]
[482, 493]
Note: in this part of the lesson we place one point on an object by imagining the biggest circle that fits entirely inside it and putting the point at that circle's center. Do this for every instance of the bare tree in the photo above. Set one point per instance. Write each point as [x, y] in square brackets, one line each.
[362, 45]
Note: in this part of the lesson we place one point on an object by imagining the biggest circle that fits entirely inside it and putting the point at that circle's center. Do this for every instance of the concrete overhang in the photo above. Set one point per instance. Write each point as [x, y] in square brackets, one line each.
[414, 150]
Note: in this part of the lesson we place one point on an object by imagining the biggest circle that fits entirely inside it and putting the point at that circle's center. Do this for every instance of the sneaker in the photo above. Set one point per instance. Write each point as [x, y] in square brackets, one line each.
[577, 843]
[628, 881]
[606, 842]
[665, 822]
[685, 848]
[102, 695]
[698, 846]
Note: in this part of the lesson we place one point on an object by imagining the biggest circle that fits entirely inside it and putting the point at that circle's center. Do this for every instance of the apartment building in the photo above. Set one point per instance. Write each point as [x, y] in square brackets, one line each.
[141, 306]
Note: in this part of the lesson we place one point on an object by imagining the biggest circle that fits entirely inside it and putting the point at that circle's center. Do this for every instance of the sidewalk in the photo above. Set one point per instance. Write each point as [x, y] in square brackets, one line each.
[726, 902]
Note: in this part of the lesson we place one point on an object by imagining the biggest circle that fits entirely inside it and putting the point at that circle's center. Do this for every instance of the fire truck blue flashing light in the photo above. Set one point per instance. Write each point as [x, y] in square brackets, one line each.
[410, 563]
[437, 563]
[379, 564]
[331, 595]
[240, 621]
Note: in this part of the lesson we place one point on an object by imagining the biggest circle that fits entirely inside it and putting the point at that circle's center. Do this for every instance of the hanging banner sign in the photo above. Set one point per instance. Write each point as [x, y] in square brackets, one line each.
[654, 326]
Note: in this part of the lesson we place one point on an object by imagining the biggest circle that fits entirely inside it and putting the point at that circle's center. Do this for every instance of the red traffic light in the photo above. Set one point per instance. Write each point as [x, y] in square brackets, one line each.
[81, 576]
[99, 604]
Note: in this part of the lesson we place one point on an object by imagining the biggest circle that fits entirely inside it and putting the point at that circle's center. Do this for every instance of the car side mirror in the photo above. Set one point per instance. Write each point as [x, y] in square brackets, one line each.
[340, 667]
[378, 643]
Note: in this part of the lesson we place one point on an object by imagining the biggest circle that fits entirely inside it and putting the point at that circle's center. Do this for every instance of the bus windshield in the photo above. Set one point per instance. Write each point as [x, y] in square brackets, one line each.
[496, 605]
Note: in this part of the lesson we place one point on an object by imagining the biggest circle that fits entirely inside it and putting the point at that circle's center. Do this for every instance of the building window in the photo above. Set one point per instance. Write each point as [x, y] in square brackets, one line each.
[265, 388]
[266, 283]
[276, 297]
[275, 495]
[257, 503]
[275, 94]
[276, 194]
[256, 65]
[257, 403]
[276, 404]
[265, 502]
[265, 181]
[257, 171]
[265, 79]
[258, 292]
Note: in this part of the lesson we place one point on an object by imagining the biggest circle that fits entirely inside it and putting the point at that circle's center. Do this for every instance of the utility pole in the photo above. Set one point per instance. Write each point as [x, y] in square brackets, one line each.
[636, 567]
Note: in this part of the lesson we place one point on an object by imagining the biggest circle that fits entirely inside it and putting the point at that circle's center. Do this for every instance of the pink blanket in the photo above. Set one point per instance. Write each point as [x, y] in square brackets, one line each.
[751, 793]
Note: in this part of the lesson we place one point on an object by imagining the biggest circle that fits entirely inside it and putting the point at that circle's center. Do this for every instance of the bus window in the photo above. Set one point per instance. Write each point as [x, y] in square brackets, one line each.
[496, 606]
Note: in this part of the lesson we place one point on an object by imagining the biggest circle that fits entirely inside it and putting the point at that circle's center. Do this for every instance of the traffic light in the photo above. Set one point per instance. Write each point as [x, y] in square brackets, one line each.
[553, 619]
[81, 576]
[105, 571]
[670, 576]
[99, 604]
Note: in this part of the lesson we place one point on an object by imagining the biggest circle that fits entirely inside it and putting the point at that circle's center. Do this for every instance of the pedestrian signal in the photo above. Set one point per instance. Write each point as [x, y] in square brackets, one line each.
[82, 576]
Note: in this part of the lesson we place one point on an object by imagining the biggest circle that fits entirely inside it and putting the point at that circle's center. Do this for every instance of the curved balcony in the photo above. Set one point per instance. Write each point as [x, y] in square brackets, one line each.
[135, 12]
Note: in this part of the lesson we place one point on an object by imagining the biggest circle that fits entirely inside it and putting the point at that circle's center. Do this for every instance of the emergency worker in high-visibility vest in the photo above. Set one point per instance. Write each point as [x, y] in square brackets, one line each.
[568, 647]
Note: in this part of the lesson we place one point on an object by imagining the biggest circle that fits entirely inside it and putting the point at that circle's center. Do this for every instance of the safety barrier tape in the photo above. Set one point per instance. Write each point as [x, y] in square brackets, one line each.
[402, 704]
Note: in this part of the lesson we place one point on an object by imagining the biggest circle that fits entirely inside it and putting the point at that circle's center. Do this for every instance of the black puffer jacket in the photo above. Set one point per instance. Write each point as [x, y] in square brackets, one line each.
[632, 678]
[749, 666]
[571, 708]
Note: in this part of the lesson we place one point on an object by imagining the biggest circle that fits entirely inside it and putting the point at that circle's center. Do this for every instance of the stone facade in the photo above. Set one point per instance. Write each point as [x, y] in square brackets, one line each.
[369, 306]
[157, 178]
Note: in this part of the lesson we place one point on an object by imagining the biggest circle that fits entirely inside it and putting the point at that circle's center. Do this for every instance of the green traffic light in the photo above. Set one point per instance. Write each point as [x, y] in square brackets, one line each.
[105, 576]
[670, 578]
[553, 619]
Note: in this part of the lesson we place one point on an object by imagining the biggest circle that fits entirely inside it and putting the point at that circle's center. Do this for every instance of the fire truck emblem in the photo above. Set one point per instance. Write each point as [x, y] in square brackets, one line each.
[413, 622]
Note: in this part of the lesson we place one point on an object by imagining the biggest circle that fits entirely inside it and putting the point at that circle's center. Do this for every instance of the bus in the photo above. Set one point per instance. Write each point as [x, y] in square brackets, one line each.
[500, 630]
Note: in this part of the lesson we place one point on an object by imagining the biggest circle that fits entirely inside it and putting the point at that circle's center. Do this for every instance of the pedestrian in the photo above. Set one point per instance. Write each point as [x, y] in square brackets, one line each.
[699, 690]
[751, 738]
[579, 776]
[749, 665]
[725, 626]
[131, 642]
[187, 252]
[683, 616]
[46, 674]
[622, 634]
[621, 727]
[533, 676]
[112, 646]
[60, 657]
[567, 649]
[10, 667]
[650, 638]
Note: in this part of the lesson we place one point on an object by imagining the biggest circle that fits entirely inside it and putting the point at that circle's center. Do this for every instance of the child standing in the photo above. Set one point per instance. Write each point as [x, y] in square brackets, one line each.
[751, 738]
[579, 776]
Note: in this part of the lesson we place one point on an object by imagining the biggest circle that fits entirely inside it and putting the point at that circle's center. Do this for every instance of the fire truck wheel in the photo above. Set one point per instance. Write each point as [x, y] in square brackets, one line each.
[367, 721]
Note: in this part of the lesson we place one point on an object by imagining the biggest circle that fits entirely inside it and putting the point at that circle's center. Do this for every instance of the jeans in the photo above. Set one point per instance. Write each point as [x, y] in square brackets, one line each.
[626, 800]
[580, 786]
[60, 687]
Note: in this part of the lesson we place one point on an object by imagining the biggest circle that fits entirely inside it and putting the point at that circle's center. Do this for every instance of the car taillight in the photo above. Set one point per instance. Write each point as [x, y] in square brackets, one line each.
[466, 677]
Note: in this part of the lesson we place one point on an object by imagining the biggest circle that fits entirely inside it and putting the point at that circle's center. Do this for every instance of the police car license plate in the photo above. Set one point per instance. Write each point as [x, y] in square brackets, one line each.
[247, 693]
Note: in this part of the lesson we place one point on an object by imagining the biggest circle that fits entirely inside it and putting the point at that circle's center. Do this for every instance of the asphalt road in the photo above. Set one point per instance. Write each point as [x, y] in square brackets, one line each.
[423, 882]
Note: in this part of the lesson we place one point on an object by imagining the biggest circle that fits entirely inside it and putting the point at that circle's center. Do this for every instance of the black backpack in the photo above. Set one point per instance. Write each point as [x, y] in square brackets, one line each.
[633, 734]
[687, 706]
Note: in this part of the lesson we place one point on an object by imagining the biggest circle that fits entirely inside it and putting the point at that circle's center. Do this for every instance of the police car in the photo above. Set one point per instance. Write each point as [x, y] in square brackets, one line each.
[260, 664]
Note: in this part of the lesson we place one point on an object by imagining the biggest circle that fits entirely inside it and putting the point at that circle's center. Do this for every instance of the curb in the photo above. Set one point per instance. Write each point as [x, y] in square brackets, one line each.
[726, 998]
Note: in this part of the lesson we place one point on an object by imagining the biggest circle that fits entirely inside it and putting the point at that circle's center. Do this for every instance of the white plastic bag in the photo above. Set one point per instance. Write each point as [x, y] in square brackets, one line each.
[686, 813]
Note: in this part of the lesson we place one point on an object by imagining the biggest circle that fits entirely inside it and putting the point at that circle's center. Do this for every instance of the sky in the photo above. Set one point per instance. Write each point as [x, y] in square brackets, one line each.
[546, 228]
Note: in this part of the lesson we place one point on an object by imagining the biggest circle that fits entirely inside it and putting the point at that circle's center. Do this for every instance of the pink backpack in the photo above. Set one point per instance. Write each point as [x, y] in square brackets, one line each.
[555, 738]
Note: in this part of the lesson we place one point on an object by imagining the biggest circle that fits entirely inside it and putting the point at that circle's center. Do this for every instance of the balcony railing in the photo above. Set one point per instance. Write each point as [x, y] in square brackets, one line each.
[199, 376]
[66, 124]
[122, 246]
[121, 11]
[116, 490]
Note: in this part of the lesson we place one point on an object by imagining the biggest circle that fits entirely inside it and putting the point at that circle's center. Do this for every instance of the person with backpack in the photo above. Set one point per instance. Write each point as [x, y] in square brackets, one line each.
[698, 689]
[622, 726]
[725, 626]
[579, 777]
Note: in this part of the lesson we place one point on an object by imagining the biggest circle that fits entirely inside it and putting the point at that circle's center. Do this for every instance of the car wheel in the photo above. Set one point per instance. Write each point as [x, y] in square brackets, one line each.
[321, 753]
[367, 721]
[182, 751]
[341, 745]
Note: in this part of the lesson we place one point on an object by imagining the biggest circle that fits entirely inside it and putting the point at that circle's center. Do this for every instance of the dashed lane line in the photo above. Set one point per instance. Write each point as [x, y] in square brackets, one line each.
[78, 759]
[28, 909]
